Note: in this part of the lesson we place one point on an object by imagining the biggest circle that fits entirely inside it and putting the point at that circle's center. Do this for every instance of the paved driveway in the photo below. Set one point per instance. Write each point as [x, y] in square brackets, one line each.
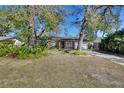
[113, 58]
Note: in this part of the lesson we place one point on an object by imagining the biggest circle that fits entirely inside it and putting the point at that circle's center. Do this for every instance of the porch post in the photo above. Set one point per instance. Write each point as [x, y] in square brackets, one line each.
[73, 45]
[59, 45]
[65, 44]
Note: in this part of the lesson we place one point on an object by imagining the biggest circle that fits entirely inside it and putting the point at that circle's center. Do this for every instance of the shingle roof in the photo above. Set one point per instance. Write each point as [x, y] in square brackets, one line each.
[5, 38]
[67, 37]
[64, 37]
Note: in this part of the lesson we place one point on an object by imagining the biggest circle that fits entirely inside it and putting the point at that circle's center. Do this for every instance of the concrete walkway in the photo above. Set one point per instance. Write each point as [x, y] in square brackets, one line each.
[113, 58]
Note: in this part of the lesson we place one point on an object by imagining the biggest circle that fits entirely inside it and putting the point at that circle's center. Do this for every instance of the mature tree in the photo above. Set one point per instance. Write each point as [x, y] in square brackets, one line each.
[48, 16]
[10, 20]
[96, 18]
[109, 18]
[4, 23]
[23, 20]
[117, 23]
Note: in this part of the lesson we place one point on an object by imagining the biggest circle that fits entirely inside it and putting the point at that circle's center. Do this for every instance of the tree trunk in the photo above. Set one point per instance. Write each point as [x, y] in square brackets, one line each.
[83, 28]
[41, 33]
[80, 41]
[82, 34]
[103, 34]
[32, 25]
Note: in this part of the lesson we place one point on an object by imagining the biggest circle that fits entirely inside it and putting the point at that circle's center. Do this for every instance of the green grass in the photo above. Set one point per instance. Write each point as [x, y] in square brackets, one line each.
[77, 52]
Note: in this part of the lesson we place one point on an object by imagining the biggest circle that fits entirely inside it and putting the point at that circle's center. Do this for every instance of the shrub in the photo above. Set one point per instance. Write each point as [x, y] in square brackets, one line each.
[38, 51]
[6, 42]
[22, 52]
[114, 42]
[31, 52]
[77, 52]
[90, 46]
[5, 47]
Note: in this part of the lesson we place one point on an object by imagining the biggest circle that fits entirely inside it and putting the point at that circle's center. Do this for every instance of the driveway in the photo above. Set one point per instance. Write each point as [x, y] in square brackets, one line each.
[113, 58]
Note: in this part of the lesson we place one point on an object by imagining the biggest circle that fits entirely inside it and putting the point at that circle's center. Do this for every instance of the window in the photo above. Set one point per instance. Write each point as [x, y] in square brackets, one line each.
[69, 44]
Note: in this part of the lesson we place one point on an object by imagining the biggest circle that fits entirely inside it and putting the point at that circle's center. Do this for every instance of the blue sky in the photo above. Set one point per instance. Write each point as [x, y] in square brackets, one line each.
[72, 29]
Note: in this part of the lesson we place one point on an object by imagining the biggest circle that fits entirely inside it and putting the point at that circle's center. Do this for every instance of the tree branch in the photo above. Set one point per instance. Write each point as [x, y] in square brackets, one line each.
[41, 32]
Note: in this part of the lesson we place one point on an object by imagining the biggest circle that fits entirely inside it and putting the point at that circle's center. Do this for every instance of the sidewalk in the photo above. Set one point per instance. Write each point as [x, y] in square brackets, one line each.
[113, 58]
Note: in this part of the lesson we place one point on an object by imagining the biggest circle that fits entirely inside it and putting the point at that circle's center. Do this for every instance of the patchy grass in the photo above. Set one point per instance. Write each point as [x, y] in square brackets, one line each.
[77, 52]
[60, 70]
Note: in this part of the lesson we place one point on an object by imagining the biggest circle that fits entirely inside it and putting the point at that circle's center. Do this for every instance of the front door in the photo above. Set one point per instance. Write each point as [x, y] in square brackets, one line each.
[62, 44]
[69, 45]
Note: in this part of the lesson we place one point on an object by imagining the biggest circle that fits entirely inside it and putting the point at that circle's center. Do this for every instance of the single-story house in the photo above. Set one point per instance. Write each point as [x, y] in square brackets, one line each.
[15, 41]
[68, 43]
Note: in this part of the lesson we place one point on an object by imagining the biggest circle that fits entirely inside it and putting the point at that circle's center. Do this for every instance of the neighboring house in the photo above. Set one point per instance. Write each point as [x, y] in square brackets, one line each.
[15, 41]
[2, 38]
[96, 43]
[68, 43]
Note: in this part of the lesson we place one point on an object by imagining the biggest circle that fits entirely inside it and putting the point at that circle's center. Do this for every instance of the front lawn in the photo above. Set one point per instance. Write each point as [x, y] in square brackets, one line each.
[60, 70]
